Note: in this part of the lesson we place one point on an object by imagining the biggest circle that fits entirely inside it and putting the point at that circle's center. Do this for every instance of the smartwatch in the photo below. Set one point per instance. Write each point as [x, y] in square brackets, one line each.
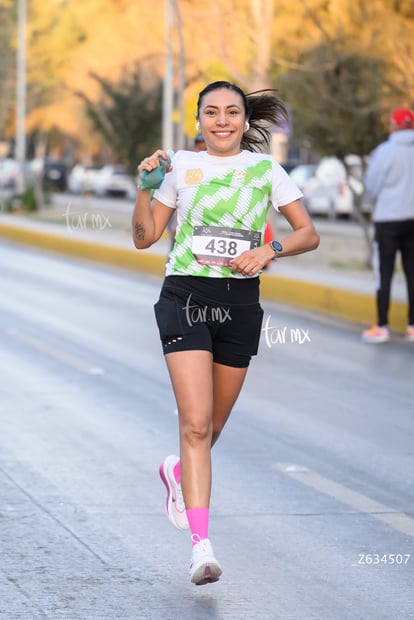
[276, 247]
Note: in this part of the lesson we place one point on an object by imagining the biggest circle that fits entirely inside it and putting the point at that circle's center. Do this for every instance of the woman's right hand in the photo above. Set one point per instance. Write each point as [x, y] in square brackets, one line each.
[152, 162]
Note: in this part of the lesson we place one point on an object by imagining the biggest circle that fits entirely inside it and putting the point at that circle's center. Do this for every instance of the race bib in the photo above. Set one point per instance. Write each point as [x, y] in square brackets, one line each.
[216, 245]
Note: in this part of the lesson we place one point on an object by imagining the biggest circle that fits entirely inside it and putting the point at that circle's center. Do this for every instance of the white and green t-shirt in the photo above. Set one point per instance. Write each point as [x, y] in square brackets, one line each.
[222, 205]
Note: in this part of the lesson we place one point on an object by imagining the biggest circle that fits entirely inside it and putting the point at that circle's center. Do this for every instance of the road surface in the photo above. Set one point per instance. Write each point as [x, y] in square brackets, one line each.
[313, 496]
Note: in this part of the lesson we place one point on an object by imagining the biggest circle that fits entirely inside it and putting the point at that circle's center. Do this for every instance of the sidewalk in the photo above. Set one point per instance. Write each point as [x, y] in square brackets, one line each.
[307, 281]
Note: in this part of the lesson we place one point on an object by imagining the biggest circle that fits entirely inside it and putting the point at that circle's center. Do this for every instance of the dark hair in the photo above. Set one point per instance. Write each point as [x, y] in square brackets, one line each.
[263, 108]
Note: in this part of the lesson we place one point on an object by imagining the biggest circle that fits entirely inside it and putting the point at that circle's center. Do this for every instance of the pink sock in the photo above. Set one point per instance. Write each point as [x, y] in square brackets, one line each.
[177, 472]
[198, 522]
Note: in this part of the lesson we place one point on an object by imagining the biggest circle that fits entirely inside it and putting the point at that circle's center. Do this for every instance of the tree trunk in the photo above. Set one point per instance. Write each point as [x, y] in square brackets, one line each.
[366, 228]
[357, 188]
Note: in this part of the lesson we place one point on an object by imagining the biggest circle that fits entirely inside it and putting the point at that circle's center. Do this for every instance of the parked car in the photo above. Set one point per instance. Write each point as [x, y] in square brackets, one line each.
[81, 179]
[55, 174]
[331, 190]
[114, 180]
[9, 173]
[289, 165]
[301, 174]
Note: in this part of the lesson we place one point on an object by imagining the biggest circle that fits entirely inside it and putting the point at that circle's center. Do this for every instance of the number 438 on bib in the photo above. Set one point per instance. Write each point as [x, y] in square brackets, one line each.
[216, 245]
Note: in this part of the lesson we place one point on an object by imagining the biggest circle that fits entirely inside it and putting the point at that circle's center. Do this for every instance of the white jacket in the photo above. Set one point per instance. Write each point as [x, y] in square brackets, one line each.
[390, 177]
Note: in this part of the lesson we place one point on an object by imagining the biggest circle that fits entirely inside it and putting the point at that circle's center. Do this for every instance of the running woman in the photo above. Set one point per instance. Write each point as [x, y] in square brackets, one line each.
[208, 313]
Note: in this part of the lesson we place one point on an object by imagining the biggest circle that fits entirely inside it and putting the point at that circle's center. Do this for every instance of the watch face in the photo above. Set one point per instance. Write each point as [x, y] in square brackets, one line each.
[276, 246]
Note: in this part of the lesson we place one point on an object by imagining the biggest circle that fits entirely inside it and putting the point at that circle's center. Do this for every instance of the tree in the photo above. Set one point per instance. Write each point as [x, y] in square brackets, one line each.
[250, 41]
[339, 105]
[339, 108]
[8, 21]
[252, 23]
[128, 116]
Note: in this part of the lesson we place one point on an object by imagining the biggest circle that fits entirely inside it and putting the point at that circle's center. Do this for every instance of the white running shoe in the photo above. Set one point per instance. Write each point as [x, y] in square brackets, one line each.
[175, 501]
[204, 567]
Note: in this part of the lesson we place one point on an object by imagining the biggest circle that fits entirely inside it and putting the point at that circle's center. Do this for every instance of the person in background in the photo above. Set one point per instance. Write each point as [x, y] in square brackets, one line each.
[208, 313]
[268, 235]
[199, 143]
[390, 181]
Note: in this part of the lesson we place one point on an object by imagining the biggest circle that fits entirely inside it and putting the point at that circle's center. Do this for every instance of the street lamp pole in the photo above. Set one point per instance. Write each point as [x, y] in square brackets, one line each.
[181, 76]
[20, 144]
[168, 90]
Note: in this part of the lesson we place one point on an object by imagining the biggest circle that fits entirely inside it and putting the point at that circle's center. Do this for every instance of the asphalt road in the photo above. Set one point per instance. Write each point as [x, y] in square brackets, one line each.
[313, 496]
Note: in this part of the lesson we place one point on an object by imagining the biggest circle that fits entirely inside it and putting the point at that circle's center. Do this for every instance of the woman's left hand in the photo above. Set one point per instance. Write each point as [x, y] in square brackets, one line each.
[250, 262]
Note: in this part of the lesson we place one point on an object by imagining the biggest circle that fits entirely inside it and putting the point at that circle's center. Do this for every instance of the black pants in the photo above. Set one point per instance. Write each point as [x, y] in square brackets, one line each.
[391, 237]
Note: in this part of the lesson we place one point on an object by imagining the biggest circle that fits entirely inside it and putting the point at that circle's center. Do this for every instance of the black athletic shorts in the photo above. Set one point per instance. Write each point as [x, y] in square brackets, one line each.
[220, 315]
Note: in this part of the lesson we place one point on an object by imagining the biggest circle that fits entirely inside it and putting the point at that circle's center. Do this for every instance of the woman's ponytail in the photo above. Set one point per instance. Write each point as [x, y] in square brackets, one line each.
[265, 109]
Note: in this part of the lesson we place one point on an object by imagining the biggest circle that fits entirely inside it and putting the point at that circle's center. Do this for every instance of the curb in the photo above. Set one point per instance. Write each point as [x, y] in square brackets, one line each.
[80, 248]
[335, 302]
